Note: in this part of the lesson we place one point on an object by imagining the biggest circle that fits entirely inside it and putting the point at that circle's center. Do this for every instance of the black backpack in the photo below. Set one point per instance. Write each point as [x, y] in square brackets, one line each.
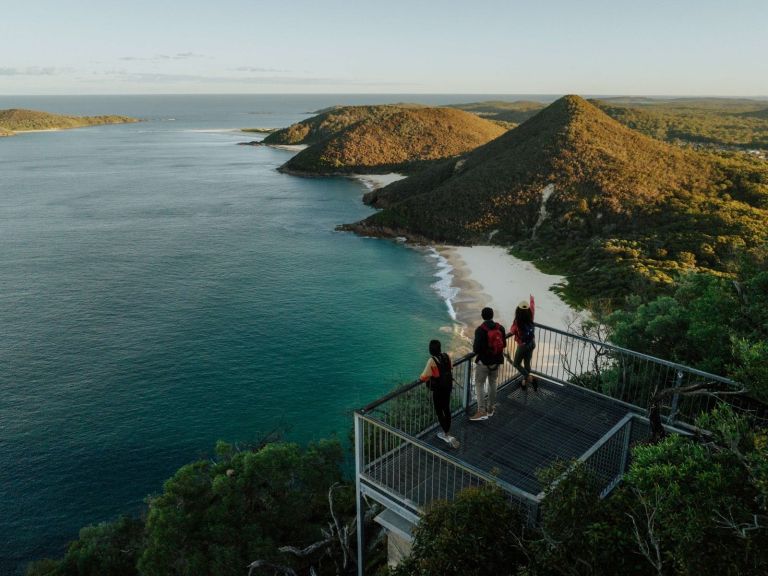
[445, 379]
[527, 333]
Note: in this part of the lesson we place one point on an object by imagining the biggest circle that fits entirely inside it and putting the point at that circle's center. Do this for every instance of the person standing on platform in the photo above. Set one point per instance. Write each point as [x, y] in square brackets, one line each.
[524, 332]
[438, 375]
[488, 345]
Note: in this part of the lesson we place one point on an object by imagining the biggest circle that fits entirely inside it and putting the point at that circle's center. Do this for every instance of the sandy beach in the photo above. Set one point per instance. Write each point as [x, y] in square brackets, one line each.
[472, 277]
[490, 276]
[374, 181]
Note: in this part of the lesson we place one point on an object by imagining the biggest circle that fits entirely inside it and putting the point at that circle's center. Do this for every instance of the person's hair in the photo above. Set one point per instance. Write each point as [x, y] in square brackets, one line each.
[523, 316]
[487, 313]
[435, 348]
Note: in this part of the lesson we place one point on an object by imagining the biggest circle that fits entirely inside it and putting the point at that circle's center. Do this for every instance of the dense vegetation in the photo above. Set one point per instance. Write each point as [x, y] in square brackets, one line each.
[382, 138]
[218, 517]
[626, 212]
[19, 120]
[720, 124]
[715, 122]
[515, 112]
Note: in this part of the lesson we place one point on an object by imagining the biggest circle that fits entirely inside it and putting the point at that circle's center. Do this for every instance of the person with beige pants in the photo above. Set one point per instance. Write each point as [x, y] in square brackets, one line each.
[488, 345]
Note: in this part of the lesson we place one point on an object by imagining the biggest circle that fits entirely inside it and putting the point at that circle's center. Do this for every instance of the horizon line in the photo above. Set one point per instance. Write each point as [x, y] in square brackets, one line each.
[540, 94]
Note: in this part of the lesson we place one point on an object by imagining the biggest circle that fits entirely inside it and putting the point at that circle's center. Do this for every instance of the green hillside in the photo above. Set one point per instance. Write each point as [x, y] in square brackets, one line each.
[714, 121]
[516, 112]
[19, 120]
[383, 138]
[624, 211]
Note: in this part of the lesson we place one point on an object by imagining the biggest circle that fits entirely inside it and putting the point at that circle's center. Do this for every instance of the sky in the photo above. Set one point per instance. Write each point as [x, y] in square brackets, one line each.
[589, 47]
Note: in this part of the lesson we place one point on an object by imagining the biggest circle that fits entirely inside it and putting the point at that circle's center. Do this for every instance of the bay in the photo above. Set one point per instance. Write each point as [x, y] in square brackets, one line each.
[162, 288]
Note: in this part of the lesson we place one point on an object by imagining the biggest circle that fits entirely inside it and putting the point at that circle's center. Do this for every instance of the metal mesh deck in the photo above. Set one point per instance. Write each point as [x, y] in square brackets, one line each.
[532, 429]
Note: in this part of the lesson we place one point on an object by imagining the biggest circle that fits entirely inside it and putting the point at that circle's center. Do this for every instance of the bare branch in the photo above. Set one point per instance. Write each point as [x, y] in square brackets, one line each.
[303, 552]
[255, 565]
[741, 529]
[648, 542]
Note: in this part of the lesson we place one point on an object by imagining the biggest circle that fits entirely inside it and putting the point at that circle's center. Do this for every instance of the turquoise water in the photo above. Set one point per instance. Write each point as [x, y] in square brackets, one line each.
[162, 288]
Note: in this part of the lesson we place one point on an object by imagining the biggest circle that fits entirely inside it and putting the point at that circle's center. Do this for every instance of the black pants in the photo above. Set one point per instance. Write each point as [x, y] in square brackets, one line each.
[441, 398]
[522, 359]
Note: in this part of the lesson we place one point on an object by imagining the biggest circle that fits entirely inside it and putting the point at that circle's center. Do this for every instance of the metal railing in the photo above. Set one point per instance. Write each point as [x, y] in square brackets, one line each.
[623, 375]
[415, 473]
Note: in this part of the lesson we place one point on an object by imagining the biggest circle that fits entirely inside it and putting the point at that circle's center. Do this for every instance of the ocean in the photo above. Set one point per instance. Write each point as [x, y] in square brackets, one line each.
[162, 288]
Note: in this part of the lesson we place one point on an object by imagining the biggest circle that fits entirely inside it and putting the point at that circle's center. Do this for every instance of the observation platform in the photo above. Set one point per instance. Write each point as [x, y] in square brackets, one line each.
[590, 406]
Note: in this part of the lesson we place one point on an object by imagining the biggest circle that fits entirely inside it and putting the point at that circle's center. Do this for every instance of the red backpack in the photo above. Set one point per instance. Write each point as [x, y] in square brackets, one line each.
[495, 338]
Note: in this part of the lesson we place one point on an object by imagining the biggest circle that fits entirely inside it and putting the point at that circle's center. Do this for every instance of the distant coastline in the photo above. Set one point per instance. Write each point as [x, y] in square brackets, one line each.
[15, 121]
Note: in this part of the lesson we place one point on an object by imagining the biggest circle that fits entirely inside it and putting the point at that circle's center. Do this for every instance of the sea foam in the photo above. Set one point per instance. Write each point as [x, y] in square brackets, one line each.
[444, 285]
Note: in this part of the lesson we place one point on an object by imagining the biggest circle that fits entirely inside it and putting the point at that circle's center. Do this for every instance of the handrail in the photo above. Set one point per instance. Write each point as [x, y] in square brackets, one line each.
[449, 458]
[611, 347]
[409, 386]
[654, 359]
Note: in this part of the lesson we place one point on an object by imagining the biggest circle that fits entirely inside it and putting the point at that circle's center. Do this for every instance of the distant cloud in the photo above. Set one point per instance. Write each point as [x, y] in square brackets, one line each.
[32, 71]
[157, 78]
[163, 57]
[256, 69]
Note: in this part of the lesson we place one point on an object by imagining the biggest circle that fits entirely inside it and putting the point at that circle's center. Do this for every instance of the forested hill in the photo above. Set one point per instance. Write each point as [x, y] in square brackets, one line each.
[19, 120]
[615, 209]
[382, 138]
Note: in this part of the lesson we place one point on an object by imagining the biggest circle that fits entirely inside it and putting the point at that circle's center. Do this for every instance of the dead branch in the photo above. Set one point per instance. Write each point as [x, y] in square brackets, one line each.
[256, 564]
[335, 532]
[741, 529]
[648, 542]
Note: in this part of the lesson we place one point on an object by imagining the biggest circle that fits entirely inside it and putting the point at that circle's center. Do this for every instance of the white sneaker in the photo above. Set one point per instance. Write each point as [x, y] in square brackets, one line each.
[448, 439]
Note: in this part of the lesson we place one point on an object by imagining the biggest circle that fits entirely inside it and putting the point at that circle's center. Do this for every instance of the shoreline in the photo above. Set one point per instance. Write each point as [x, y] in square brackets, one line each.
[489, 276]
[469, 278]
[375, 181]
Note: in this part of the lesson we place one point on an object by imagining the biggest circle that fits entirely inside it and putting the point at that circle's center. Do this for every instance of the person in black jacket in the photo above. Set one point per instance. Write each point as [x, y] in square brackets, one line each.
[438, 375]
[489, 344]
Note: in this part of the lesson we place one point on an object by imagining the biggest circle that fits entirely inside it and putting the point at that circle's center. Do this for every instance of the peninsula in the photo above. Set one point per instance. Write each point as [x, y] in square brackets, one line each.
[16, 120]
[381, 139]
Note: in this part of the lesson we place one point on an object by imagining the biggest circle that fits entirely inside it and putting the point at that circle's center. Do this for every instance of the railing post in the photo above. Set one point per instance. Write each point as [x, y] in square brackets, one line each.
[359, 447]
[675, 398]
[468, 385]
[625, 450]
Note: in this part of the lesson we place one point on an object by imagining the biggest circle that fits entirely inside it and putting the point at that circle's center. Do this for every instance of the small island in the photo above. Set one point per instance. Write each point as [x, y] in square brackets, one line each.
[16, 120]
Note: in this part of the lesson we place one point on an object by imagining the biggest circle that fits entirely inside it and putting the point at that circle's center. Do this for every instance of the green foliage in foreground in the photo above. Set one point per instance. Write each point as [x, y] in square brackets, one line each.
[110, 548]
[474, 535]
[215, 518]
[708, 322]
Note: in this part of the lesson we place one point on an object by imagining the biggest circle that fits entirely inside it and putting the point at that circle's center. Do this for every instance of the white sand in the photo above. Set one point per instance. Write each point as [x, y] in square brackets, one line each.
[375, 181]
[289, 147]
[490, 276]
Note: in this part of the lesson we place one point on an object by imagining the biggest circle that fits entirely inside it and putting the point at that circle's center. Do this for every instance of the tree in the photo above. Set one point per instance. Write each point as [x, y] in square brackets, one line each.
[215, 518]
[478, 533]
[694, 505]
[110, 548]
